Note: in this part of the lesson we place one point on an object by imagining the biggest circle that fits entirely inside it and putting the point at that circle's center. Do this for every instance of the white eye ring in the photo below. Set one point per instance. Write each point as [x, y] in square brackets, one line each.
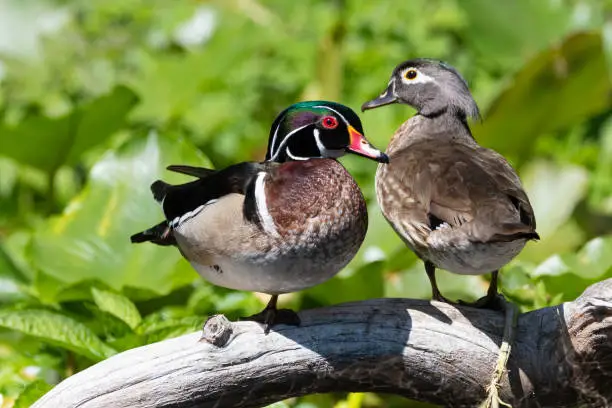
[413, 76]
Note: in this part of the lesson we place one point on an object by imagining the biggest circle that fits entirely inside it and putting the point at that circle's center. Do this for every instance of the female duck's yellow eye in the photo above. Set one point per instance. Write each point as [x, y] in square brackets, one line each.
[411, 74]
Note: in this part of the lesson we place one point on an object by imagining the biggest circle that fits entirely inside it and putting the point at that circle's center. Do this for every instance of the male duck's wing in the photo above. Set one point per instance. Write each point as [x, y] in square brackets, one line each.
[183, 201]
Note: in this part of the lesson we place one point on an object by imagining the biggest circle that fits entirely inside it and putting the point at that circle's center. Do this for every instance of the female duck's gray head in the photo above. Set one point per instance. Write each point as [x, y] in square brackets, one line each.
[431, 87]
[318, 129]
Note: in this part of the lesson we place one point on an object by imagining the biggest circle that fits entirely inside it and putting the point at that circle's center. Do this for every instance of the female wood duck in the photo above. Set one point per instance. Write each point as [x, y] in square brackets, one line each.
[279, 226]
[457, 205]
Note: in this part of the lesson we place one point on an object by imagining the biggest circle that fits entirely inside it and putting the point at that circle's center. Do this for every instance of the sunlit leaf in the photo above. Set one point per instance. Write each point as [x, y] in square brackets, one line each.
[493, 31]
[91, 239]
[592, 261]
[56, 329]
[117, 305]
[169, 85]
[279, 404]
[47, 143]
[32, 393]
[556, 89]
[568, 274]
[412, 282]
[381, 241]
[553, 191]
[364, 283]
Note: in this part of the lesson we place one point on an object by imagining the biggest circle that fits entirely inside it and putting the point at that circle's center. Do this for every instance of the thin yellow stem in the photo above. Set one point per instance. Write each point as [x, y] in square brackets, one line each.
[493, 399]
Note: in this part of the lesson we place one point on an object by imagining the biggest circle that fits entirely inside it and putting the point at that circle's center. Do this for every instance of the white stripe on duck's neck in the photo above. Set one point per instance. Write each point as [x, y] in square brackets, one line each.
[274, 154]
[267, 222]
[294, 157]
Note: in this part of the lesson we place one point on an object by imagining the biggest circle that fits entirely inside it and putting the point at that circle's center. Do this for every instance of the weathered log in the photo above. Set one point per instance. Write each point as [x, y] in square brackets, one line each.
[429, 351]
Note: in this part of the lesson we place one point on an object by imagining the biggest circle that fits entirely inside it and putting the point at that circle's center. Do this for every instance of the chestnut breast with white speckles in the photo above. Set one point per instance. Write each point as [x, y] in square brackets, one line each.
[319, 220]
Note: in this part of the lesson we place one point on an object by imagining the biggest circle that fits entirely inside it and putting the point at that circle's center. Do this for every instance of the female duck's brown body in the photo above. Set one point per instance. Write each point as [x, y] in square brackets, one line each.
[466, 215]
[457, 205]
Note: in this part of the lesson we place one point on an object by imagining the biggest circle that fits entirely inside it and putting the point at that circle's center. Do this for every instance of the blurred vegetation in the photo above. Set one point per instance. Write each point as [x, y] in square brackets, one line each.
[98, 96]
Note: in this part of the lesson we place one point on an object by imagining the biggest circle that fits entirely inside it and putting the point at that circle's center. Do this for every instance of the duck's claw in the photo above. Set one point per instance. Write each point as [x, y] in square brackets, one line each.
[271, 316]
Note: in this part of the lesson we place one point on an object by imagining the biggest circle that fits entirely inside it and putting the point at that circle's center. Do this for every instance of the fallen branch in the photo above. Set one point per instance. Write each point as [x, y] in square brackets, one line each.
[561, 357]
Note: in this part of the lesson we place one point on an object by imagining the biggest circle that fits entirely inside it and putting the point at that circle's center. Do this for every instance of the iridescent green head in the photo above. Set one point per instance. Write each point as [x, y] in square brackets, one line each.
[318, 129]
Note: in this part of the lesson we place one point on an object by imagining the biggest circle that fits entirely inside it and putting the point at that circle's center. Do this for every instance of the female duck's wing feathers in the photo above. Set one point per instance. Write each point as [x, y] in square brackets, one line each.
[477, 192]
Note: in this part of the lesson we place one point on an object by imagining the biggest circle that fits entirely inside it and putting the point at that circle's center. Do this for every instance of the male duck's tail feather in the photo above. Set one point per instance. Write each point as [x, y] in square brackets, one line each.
[160, 189]
[199, 172]
[161, 234]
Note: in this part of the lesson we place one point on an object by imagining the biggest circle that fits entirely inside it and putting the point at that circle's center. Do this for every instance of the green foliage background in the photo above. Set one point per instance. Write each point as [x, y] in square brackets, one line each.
[98, 96]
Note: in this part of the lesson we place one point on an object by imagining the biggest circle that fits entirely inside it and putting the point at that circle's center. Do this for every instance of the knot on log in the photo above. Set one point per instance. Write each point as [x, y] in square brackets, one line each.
[217, 330]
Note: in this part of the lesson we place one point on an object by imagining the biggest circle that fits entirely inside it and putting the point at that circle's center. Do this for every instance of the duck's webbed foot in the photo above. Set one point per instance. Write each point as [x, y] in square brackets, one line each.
[271, 316]
[492, 300]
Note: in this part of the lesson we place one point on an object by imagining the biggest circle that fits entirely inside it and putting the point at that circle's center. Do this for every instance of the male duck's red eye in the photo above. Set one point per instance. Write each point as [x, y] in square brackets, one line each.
[329, 122]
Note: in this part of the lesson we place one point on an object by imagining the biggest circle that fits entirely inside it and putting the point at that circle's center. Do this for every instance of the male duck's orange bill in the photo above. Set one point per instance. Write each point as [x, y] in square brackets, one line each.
[359, 145]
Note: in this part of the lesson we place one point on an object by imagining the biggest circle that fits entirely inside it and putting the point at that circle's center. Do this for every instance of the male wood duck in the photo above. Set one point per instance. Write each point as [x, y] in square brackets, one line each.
[279, 226]
[457, 205]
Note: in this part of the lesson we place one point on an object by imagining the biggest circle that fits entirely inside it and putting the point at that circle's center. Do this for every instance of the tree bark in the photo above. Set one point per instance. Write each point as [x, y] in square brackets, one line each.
[429, 351]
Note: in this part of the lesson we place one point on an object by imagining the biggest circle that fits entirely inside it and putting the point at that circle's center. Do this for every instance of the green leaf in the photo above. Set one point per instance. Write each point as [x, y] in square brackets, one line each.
[105, 325]
[99, 119]
[12, 280]
[62, 140]
[169, 85]
[91, 239]
[493, 32]
[169, 322]
[117, 305]
[381, 242]
[412, 282]
[8, 268]
[554, 191]
[81, 290]
[56, 329]
[32, 393]
[558, 88]
[364, 283]
[570, 274]
[591, 262]
[279, 404]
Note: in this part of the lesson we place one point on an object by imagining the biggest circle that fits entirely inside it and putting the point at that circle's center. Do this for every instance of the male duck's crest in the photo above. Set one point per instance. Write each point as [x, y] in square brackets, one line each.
[318, 129]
